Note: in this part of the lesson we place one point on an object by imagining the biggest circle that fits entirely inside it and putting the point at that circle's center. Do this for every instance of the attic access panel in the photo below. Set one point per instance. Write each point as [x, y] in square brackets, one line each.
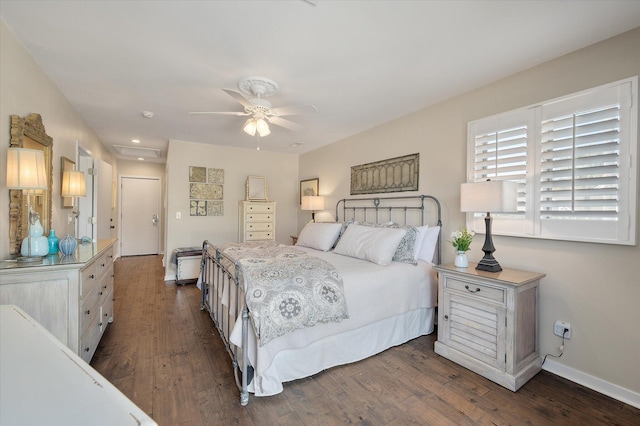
[392, 175]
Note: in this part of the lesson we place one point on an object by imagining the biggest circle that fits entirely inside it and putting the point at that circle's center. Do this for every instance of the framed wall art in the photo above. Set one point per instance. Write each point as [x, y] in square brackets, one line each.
[393, 175]
[309, 187]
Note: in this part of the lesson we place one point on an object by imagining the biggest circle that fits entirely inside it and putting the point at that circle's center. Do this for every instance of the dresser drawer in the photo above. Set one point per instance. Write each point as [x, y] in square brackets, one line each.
[260, 226]
[89, 309]
[264, 235]
[260, 208]
[89, 279]
[90, 339]
[104, 262]
[259, 217]
[479, 291]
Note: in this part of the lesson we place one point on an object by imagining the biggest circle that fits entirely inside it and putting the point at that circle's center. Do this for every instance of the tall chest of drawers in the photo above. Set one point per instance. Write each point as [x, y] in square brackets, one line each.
[256, 221]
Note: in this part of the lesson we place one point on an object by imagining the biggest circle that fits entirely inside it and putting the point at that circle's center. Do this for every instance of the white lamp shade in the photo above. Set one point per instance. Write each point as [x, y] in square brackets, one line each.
[489, 196]
[26, 169]
[312, 202]
[73, 184]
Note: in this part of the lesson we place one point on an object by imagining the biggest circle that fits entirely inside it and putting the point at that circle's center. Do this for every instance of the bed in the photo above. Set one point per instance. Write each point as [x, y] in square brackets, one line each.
[389, 300]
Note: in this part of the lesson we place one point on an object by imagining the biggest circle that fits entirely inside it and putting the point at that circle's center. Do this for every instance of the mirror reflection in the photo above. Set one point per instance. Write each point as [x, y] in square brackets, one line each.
[29, 132]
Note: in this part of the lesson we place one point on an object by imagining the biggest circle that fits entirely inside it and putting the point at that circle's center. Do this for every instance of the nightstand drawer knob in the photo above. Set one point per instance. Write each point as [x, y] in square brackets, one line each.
[477, 290]
[446, 317]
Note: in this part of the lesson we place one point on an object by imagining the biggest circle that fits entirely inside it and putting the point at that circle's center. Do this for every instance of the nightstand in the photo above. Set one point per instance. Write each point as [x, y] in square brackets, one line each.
[294, 239]
[488, 322]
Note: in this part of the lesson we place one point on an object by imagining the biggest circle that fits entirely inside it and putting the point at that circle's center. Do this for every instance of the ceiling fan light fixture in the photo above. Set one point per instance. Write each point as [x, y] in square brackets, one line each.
[250, 127]
[262, 127]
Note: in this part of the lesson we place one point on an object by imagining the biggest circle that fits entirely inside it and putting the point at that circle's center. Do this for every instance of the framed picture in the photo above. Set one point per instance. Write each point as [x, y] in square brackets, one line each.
[66, 165]
[309, 187]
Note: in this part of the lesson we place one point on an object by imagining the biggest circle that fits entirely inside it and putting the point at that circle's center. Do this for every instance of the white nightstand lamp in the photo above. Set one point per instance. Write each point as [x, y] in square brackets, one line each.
[313, 203]
[489, 196]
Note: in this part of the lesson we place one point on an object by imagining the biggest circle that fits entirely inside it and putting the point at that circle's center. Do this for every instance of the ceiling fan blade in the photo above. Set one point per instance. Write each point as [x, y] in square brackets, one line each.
[284, 123]
[238, 114]
[240, 98]
[295, 110]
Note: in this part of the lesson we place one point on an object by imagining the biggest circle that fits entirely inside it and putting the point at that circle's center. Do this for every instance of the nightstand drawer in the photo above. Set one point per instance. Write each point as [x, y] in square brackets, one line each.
[476, 290]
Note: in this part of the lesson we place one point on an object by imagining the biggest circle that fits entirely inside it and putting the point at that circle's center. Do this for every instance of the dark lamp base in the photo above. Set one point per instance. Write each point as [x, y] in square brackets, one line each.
[489, 265]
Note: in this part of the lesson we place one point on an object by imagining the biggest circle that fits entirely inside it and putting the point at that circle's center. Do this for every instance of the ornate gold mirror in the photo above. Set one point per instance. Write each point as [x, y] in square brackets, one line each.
[28, 132]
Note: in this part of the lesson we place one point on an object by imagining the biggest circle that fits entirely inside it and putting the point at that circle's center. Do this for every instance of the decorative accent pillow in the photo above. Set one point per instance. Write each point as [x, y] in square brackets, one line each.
[376, 245]
[319, 236]
[406, 249]
[428, 246]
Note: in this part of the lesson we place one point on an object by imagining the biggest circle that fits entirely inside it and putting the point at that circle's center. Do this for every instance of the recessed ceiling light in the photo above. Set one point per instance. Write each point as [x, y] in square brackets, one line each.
[140, 158]
[135, 140]
[296, 144]
[147, 114]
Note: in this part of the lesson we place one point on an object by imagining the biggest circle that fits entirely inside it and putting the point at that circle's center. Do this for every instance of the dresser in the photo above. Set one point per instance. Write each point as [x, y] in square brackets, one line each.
[70, 296]
[256, 221]
[488, 322]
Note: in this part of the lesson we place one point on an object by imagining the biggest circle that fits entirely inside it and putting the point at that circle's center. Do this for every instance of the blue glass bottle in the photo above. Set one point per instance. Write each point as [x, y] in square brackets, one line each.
[54, 242]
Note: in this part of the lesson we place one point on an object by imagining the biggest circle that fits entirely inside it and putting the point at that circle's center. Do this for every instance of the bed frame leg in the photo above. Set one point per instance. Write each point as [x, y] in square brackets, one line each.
[244, 393]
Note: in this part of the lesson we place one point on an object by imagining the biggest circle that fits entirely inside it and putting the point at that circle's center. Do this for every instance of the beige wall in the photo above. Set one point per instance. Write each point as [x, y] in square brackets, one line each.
[26, 89]
[595, 287]
[281, 171]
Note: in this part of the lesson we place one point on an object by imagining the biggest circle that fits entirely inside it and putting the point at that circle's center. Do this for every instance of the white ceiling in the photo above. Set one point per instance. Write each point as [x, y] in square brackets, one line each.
[361, 63]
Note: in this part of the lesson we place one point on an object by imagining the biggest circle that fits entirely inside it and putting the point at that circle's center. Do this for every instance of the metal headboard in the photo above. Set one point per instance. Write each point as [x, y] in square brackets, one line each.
[406, 211]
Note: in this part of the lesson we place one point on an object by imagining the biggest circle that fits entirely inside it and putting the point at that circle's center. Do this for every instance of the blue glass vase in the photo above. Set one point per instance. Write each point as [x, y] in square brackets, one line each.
[54, 241]
[68, 245]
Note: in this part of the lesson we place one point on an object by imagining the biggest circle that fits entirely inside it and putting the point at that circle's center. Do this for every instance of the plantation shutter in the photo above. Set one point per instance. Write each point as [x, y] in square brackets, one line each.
[502, 155]
[574, 159]
[580, 160]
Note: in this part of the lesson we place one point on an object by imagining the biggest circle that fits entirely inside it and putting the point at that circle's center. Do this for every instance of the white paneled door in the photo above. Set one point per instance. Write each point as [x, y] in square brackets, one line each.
[140, 201]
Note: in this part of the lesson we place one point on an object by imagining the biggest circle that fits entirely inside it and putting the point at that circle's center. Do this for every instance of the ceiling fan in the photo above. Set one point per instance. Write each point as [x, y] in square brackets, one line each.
[259, 109]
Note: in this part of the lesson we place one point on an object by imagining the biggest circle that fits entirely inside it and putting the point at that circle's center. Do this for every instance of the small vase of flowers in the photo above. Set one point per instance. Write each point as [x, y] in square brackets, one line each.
[461, 241]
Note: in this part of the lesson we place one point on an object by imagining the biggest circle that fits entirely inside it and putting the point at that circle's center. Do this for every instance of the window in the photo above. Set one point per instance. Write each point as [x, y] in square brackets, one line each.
[574, 159]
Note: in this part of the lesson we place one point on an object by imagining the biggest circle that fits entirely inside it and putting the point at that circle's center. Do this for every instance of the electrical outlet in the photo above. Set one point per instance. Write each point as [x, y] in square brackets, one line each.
[559, 327]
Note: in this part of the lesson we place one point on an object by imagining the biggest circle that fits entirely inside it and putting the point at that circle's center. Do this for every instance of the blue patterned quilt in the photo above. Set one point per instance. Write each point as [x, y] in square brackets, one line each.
[286, 288]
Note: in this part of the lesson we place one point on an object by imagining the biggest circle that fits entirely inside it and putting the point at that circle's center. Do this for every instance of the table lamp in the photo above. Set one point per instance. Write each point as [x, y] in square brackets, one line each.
[489, 196]
[313, 203]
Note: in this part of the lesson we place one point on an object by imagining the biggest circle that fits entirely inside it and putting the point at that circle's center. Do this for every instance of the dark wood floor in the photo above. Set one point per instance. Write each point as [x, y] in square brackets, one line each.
[165, 355]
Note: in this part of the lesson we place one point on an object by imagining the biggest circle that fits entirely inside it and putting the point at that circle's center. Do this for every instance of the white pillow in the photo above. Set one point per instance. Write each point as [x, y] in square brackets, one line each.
[319, 236]
[428, 247]
[422, 232]
[376, 245]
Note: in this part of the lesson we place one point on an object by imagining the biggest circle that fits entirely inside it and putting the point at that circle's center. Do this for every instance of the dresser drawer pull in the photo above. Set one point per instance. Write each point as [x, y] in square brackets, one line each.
[446, 317]
[103, 264]
[86, 349]
[477, 290]
[92, 276]
[88, 311]
[100, 294]
[99, 324]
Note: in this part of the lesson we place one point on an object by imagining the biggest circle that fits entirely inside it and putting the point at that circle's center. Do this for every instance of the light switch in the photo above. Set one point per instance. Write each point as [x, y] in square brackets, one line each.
[178, 215]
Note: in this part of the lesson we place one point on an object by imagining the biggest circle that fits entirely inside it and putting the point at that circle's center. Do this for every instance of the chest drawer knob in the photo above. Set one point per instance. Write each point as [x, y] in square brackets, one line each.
[477, 290]
[446, 317]
[88, 311]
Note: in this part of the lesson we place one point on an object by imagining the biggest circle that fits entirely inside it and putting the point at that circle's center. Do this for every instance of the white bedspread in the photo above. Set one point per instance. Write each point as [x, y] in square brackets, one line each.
[389, 297]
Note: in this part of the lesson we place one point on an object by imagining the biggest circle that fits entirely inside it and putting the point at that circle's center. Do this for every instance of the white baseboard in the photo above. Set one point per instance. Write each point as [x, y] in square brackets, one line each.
[170, 277]
[612, 390]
